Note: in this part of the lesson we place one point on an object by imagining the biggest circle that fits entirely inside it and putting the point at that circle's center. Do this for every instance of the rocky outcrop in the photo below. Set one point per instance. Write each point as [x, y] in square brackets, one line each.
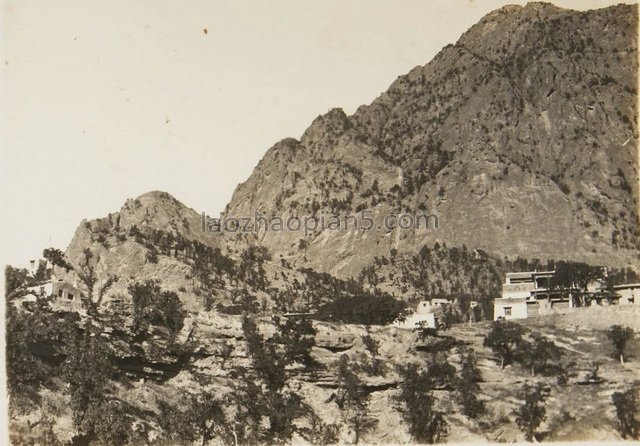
[521, 137]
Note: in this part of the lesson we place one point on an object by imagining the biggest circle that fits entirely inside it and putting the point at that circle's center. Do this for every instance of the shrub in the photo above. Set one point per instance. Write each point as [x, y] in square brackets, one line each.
[627, 408]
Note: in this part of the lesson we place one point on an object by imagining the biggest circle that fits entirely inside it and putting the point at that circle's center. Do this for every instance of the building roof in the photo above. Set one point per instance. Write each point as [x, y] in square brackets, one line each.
[520, 275]
[505, 300]
[626, 285]
[529, 275]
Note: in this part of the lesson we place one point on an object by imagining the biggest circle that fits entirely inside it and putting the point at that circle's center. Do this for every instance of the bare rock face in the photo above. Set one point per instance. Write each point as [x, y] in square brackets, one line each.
[521, 137]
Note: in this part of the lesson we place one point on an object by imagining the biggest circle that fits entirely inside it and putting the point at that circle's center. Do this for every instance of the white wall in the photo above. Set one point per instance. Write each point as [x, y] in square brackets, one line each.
[518, 309]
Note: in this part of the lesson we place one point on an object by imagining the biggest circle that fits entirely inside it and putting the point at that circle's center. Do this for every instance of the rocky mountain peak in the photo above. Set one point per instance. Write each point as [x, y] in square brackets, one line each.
[159, 210]
[530, 117]
[333, 123]
[152, 211]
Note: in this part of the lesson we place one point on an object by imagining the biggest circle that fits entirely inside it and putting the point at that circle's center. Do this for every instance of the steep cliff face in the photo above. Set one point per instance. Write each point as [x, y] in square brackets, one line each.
[521, 137]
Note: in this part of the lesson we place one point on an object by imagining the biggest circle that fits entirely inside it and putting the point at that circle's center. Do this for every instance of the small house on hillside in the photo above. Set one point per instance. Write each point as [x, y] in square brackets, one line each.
[67, 296]
[425, 315]
[65, 292]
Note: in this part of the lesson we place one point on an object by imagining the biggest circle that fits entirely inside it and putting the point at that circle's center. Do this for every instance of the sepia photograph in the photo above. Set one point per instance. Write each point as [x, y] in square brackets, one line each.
[297, 222]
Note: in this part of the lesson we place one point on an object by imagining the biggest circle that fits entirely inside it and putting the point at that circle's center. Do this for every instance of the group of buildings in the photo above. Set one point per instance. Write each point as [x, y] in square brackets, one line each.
[530, 293]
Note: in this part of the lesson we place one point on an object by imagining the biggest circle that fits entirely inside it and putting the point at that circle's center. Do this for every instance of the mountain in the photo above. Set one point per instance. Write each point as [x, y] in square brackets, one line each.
[135, 243]
[521, 138]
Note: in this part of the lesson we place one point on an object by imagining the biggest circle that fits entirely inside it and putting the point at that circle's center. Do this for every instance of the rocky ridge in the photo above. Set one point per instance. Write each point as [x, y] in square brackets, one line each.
[522, 137]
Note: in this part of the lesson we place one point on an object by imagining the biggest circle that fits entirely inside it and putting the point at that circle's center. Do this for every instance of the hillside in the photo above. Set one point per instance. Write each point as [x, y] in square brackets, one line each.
[157, 378]
[521, 137]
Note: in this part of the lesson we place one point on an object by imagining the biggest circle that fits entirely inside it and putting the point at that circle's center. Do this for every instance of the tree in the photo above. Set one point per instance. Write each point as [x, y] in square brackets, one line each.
[502, 338]
[297, 335]
[593, 377]
[87, 273]
[16, 280]
[269, 366]
[263, 392]
[535, 355]
[371, 344]
[374, 366]
[532, 412]
[574, 275]
[87, 370]
[28, 369]
[442, 373]
[42, 274]
[89, 278]
[153, 306]
[468, 387]
[102, 290]
[352, 400]
[573, 278]
[201, 417]
[251, 268]
[627, 409]
[320, 433]
[366, 308]
[108, 422]
[619, 336]
[426, 425]
[56, 257]
[168, 312]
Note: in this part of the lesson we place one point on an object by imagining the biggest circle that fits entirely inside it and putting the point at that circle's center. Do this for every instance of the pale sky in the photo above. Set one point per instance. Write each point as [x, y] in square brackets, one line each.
[101, 101]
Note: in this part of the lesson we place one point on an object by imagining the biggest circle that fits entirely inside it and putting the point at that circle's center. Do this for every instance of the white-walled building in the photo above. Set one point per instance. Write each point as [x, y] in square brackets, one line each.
[526, 294]
[424, 315]
[629, 293]
[529, 293]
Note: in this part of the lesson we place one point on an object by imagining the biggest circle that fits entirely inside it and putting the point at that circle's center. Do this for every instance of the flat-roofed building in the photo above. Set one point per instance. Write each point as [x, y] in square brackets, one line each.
[629, 293]
[424, 316]
[529, 293]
